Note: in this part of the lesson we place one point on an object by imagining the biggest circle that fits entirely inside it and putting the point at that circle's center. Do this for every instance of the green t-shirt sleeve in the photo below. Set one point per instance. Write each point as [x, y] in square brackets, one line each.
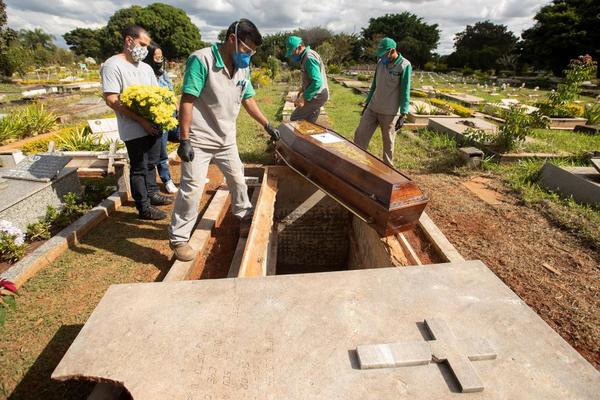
[195, 77]
[405, 89]
[313, 70]
[249, 92]
[372, 89]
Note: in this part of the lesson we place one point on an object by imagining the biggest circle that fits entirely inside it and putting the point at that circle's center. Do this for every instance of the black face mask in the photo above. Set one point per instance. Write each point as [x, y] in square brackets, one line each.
[159, 68]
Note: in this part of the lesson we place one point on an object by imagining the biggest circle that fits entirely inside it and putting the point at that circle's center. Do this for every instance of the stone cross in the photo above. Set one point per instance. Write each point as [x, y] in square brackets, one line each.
[444, 348]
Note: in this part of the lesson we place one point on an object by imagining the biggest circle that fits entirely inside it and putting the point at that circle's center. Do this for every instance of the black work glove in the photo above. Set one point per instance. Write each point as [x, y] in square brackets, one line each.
[272, 131]
[185, 151]
[400, 122]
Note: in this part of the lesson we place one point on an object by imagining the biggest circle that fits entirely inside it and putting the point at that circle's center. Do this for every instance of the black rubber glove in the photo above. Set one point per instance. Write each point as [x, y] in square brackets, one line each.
[272, 131]
[400, 122]
[185, 151]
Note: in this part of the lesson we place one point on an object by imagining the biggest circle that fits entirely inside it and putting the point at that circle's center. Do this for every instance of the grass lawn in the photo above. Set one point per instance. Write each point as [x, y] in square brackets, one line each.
[575, 143]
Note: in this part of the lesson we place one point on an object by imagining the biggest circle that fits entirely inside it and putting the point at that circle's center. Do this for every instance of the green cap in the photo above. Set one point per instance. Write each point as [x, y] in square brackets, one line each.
[385, 45]
[292, 44]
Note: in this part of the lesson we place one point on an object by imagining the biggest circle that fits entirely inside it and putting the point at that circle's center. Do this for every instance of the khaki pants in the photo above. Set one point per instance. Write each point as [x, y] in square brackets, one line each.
[368, 123]
[193, 177]
[311, 109]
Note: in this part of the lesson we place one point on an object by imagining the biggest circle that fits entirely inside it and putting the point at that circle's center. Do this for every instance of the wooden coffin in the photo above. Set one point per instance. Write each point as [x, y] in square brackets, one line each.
[387, 199]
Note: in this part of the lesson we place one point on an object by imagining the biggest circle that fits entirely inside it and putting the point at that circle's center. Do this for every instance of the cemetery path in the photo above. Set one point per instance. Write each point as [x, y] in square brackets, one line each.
[550, 269]
[53, 306]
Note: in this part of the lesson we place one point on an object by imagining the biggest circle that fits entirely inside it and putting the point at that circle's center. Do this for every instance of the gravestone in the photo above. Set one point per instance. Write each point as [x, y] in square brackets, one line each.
[106, 129]
[458, 127]
[295, 337]
[582, 184]
[34, 184]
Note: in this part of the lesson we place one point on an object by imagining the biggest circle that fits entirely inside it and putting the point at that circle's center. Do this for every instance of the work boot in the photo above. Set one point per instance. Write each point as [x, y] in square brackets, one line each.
[157, 199]
[152, 213]
[183, 251]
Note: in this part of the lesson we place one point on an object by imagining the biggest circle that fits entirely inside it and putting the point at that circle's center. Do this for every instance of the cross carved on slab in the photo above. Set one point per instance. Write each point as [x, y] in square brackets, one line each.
[445, 347]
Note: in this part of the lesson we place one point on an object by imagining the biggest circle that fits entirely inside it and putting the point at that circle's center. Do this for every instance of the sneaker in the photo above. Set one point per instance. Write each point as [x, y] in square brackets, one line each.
[157, 199]
[170, 187]
[152, 213]
[183, 251]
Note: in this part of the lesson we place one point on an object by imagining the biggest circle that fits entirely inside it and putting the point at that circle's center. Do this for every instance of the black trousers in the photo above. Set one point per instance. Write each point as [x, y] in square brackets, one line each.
[144, 155]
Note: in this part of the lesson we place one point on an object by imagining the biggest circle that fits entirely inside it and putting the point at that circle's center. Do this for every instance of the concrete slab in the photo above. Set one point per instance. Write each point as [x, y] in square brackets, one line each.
[580, 183]
[294, 337]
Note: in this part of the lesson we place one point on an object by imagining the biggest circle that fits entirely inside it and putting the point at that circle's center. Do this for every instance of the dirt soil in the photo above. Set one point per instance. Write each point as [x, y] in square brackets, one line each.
[515, 242]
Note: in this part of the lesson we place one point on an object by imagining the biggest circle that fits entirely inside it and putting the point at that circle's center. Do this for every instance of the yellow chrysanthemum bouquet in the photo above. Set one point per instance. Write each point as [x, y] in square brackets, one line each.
[156, 104]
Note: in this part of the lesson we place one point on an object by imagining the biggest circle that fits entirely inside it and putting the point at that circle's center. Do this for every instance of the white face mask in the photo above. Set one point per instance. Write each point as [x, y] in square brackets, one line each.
[138, 53]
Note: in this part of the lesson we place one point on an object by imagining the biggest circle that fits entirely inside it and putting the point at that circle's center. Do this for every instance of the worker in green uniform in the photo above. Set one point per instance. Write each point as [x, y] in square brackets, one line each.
[215, 86]
[388, 100]
[314, 92]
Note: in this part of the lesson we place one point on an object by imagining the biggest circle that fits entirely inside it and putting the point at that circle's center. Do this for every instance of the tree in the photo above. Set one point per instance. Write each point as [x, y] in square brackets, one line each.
[481, 46]
[2, 13]
[563, 30]
[314, 36]
[36, 38]
[416, 39]
[168, 26]
[85, 42]
[326, 51]
[347, 48]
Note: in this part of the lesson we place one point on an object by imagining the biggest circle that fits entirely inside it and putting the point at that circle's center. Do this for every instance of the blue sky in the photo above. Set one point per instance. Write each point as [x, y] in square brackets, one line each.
[60, 16]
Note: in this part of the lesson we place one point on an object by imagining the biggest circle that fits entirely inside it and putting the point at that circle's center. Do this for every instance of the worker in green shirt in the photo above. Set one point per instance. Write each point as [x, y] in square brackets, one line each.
[216, 84]
[314, 92]
[388, 99]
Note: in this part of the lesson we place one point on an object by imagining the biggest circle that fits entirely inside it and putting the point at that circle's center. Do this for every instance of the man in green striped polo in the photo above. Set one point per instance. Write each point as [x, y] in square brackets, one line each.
[215, 86]
[388, 99]
[314, 92]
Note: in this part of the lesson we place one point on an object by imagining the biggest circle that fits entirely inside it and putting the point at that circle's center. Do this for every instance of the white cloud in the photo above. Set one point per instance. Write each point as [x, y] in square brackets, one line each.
[60, 16]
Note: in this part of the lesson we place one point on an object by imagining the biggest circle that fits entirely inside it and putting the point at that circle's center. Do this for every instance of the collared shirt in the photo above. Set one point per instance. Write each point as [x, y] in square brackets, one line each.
[314, 78]
[218, 98]
[118, 74]
[390, 90]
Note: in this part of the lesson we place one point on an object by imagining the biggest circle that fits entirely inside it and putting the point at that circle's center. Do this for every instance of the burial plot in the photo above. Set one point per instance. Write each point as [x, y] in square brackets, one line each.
[201, 339]
[106, 129]
[458, 128]
[580, 183]
[421, 111]
[32, 185]
[382, 196]
[467, 99]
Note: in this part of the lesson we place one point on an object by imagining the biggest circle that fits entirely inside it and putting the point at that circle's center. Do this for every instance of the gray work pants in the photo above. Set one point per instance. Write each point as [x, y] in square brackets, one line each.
[311, 109]
[369, 121]
[193, 177]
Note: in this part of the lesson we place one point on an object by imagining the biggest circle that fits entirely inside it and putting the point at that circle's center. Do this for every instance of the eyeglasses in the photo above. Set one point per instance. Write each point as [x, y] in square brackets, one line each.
[248, 49]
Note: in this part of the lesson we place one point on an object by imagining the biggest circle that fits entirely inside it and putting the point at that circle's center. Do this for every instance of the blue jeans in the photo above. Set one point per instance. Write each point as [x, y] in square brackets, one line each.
[163, 166]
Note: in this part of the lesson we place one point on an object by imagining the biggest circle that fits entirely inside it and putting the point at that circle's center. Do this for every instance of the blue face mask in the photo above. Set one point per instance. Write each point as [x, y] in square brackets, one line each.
[296, 58]
[241, 60]
[385, 60]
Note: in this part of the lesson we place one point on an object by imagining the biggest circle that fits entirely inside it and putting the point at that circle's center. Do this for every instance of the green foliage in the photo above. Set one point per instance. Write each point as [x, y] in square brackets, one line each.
[415, 38]
[334, 69]
[418, 93]
[10, 251]
[260, 77]
[274, 66]
[563, 30]
[26, 122]
[80, 139]
[480, 46]
[363, 77]
[15, 59]
[326, 51]
[38, 145]
[452, 107]
[516, 127]
[39, 230]
[85, 42]
[313, 36]
[560, 102]
[592, 113]
[170, 26]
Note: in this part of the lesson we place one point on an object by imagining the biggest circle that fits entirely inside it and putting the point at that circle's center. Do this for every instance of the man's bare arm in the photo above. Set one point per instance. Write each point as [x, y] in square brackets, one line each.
[252, 108]
[185, 115]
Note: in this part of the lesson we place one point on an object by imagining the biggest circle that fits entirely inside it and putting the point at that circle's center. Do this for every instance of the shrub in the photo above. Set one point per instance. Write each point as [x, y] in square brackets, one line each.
[39, 145]
[516, 127]
[274, 66]
[429, 66]
[591, 113]
[12, 242]
[260, 77]
[8, 291]
[455, 108]
[80, 139]
[363, 77]
[26, 122]
[418, 93]
[467, 71]
[334, 69]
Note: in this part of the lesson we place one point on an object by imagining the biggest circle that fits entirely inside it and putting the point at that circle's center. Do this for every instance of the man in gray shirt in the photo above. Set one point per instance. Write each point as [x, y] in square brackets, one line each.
[141, 137]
